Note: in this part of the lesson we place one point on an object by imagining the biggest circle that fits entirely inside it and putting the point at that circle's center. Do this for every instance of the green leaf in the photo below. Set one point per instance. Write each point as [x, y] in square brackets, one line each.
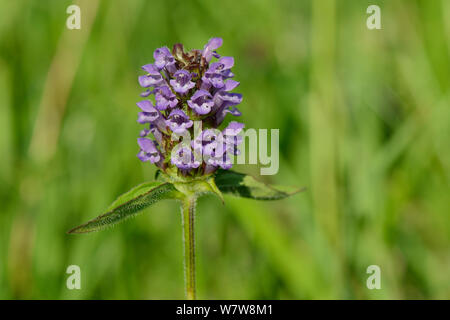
[129, 204]
[246, 186]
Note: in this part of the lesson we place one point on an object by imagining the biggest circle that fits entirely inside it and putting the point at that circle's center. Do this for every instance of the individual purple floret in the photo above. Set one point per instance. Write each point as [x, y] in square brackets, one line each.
[232, 139]
[148, 151]
[178, 121]
[182, 82]
[165, 98]
[189, 87]
[201, 102]
[209, 143]
[185, 159]
[150, 115]
[218, 72]
[208, 49]
[152, 79]
[163, 58]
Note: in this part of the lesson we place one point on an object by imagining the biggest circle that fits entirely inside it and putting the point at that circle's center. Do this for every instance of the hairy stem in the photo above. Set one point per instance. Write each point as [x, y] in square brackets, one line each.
[188, 217]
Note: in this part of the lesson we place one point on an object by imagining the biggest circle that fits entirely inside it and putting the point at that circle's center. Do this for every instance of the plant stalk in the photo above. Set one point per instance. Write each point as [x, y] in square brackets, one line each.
[188, 217]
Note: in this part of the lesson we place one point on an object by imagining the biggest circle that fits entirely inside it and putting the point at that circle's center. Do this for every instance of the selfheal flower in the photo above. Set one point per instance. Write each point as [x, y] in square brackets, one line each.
[209, 143]
[165, 98]
[186, 176]
[232, 138]
[157, 134]
[148, 151]
[208, 49]
[222, 96]
[190, 86]
[223, 161]
[163, 58]
[183, 158]
[219, 71]
[182, 82]
[225, 102]
[150, 115]
[178, 121]
[153, 79]
[201, 102]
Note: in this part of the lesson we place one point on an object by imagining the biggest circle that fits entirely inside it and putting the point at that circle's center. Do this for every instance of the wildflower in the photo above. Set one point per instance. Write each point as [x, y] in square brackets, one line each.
[187, 87]
[201, 102]
[178, 121]
[182, 82]
[163, 58]
[165, 98]
[148, 151]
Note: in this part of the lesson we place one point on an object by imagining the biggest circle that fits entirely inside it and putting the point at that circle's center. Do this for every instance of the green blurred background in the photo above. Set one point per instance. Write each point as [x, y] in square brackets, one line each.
[364, 119]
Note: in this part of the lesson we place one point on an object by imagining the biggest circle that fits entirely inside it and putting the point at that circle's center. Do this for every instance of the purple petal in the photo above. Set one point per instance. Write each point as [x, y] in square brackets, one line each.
[209, 48]
[150, 81]
[178, 121]
[144, 157]
[233, 128]
[227, 62]
[200, 93]
[146, 106]
[147, 145]
[231, 84]
[151, 69]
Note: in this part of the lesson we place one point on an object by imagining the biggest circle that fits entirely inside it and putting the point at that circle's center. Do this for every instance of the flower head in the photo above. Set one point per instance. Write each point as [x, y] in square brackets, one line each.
[189, 89]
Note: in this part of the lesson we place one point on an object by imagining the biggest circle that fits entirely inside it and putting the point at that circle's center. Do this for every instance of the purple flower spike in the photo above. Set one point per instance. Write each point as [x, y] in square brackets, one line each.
[201, 102]
[188, 86]
[178, 121]
[165, 98]
[182, 82]
[148, 151]
[208, 49]
[163, 58]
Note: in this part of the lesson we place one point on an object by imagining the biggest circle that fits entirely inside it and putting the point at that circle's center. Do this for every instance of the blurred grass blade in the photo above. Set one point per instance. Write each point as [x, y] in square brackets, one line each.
[242, 185]
[129, 204]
